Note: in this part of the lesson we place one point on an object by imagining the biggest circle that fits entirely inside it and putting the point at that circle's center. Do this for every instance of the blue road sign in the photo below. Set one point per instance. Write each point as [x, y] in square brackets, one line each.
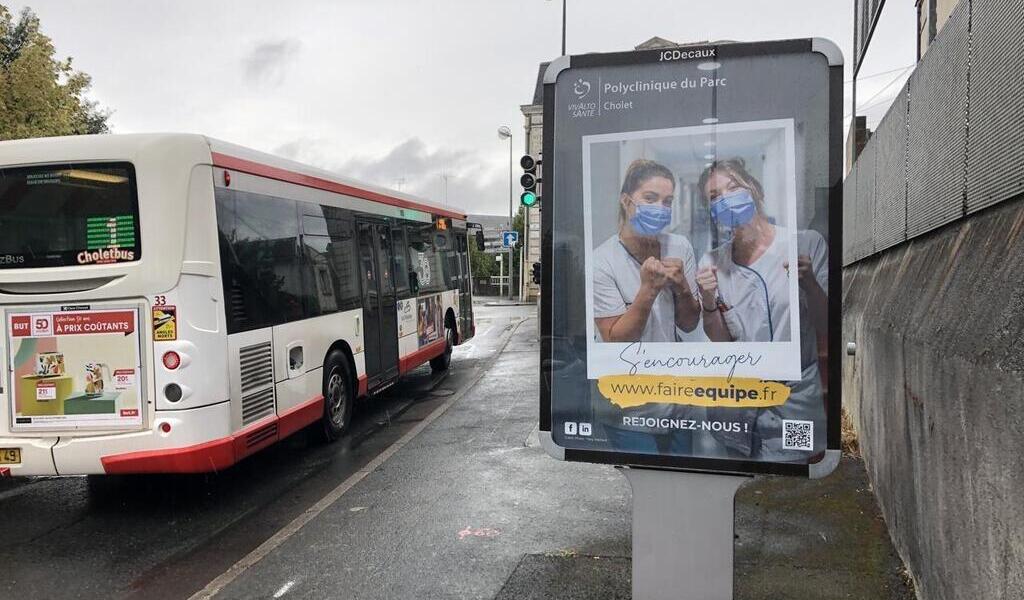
[509, 238]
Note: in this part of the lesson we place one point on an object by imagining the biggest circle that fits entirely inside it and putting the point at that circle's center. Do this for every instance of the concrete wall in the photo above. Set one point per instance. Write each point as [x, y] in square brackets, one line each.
[937, 392]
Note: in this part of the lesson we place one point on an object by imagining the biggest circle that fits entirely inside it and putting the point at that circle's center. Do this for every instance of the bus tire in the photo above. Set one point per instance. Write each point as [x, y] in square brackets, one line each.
[338, 396]
[441, 362]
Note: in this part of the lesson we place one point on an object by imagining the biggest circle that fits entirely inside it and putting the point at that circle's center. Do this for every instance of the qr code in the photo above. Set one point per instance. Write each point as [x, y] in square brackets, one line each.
[797, 435]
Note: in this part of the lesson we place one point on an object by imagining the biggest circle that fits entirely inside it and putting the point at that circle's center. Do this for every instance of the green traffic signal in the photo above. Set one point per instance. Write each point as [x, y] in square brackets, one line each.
[528, 199]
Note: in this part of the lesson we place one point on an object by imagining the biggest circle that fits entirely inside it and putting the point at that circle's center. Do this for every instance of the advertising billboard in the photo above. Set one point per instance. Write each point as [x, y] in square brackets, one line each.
[75, 367]
[692, 223]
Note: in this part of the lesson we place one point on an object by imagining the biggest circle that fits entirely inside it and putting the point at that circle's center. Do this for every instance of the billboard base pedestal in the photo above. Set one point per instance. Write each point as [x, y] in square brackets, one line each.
[682, 534]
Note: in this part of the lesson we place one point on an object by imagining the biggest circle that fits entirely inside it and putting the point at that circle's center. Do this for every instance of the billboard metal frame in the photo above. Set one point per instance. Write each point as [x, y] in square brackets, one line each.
[835, 243]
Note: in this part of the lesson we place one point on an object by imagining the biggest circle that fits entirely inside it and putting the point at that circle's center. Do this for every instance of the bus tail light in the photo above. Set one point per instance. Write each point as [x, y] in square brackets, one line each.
[171, 360]
[165, 427]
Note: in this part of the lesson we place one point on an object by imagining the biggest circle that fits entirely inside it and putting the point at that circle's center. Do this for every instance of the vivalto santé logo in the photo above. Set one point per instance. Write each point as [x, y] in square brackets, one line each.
[581, 88]
[106, 255]
[582, 107]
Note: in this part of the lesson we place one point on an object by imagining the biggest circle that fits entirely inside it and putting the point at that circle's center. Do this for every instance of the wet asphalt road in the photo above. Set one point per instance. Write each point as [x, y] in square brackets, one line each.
[168, 536]
[441, 493]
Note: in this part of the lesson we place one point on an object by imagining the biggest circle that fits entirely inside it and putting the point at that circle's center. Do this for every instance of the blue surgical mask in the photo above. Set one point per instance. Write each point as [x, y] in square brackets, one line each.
[734, 209]
[650, 219]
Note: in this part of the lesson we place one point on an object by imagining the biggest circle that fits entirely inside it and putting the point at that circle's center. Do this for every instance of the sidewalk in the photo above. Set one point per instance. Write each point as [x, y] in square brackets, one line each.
[473, 508]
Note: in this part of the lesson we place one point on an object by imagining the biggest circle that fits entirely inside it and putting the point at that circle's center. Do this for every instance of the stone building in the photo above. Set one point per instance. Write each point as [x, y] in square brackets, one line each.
[533, 123]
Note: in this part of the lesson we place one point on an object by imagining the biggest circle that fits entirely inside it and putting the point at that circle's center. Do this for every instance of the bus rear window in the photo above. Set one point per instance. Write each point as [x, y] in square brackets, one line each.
[75, 214]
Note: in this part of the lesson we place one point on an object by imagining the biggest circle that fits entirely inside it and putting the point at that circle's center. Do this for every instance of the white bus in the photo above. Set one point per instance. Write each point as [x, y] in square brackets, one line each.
[173, 304]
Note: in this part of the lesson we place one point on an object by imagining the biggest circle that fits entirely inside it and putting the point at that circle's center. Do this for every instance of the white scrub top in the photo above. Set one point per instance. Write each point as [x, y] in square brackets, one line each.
[617, 282]
[758, 294]
[759, 291]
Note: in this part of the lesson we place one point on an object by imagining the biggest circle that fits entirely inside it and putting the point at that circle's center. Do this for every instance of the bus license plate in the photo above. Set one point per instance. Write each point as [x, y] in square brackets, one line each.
[10, 456]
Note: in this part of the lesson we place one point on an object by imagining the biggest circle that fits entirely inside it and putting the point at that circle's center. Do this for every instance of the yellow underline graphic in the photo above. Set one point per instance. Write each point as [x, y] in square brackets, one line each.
[627, 391]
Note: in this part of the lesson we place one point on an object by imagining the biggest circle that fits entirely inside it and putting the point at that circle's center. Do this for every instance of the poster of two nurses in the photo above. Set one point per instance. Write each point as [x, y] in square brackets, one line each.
[699, 243]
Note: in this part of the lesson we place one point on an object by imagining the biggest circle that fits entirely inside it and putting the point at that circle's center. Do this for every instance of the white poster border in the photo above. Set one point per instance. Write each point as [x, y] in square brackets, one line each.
[778, 361]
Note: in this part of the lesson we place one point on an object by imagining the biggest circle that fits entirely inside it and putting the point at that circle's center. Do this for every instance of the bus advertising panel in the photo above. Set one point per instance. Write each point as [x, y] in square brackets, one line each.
[692, 222]
[75, 367]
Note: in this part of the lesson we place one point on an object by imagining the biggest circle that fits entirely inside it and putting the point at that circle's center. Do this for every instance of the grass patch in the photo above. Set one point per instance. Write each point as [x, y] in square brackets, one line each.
[850, 444]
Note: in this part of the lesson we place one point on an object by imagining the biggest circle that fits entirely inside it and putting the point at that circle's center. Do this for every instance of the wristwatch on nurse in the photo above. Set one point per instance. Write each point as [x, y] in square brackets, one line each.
[720, 306]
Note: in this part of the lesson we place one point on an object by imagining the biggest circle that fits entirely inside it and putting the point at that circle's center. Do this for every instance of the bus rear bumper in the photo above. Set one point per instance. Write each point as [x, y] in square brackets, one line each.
[198, 440]
[195, 441]
[199, 458]
[36, 458]
[217, 453]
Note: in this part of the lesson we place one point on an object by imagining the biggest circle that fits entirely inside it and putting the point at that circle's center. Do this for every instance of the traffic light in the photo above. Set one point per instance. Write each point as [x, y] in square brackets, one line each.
[529, 180]
[536, 273]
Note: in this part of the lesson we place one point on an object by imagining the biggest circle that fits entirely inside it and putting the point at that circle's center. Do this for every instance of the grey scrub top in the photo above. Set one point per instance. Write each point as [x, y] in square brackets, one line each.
[617, 282]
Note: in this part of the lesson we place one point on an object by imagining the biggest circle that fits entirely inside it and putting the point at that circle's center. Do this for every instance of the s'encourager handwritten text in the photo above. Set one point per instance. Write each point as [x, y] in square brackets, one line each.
[634, 355]
[627, 391]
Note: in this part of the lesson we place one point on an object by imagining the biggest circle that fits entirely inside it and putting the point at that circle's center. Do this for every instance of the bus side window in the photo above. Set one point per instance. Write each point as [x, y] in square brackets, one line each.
[260, 265]
[231, 275]
[424, 258]
[451, 260]
[403, 279]
[319, 279]
[343, 257]
[386, 265]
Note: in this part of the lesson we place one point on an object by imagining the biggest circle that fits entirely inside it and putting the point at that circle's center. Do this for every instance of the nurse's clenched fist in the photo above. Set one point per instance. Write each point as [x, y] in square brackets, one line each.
[675, 271]
[707, 281]
[653, 274]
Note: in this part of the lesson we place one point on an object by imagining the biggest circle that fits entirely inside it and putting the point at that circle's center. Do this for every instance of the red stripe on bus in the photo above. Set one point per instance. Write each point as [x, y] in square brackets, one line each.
[255, 168]
[219, 454]
[300, 416]
[209, 456]
[417, 358]
[254, 438]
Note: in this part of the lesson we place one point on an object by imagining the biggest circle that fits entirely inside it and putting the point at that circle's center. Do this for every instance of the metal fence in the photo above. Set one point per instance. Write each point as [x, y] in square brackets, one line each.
[950, 144]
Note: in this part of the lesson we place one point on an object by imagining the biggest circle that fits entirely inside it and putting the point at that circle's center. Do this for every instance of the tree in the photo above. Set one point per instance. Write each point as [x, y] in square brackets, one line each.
[481, 263]
[39, 95]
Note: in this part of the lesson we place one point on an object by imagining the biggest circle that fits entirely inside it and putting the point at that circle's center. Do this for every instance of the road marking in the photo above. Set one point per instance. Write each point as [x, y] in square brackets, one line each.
[284, 589]
[486, 532]
[224, 579]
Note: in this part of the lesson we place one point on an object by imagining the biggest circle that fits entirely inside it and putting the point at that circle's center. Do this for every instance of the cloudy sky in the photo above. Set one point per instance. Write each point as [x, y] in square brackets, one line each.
[402, 93]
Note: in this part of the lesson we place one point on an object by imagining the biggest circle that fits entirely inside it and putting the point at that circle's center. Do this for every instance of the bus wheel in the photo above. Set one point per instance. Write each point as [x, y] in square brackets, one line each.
[338, 396]
[441, 363]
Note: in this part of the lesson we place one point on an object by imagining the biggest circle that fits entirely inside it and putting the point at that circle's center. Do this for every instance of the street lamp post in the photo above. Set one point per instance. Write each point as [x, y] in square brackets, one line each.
[563, 26]
[505, 133]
